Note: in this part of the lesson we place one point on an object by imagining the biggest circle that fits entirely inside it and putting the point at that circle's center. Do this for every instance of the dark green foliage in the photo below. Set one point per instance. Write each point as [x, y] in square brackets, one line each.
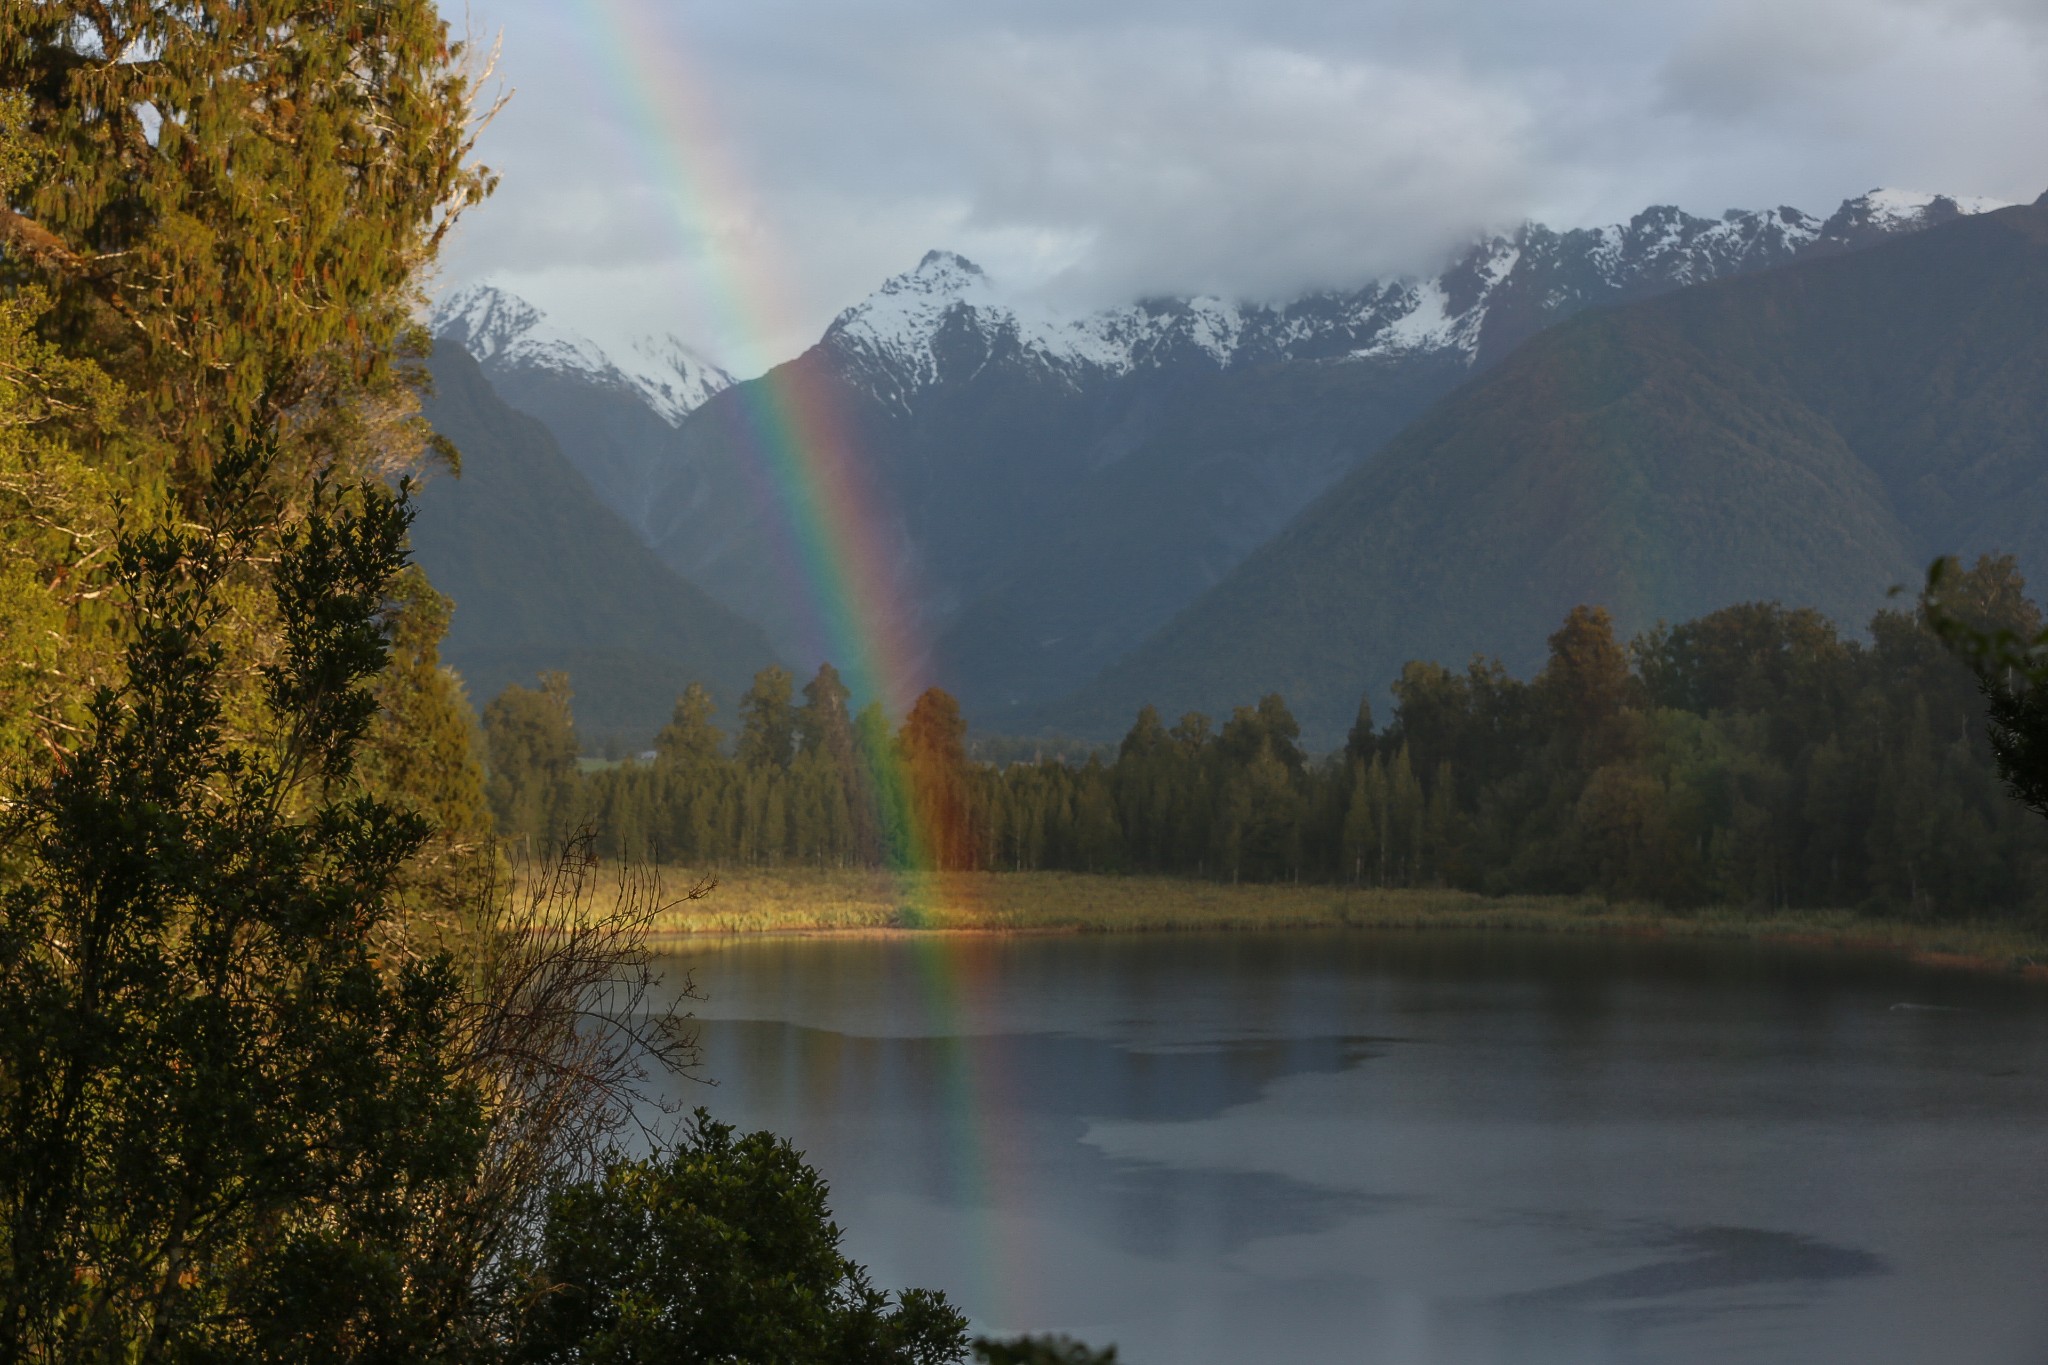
[721, 1248]
[1813, 434]
[690, 739]
[1750, 756]
[530, 741]
[767, 736]
[1984, 617]
[226, 1120]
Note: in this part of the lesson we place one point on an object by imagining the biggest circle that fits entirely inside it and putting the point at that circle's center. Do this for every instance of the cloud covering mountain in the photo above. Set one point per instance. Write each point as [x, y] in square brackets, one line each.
[777, 158]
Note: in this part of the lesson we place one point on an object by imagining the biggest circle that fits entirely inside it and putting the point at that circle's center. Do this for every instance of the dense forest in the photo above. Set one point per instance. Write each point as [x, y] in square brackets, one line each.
[1752, 756]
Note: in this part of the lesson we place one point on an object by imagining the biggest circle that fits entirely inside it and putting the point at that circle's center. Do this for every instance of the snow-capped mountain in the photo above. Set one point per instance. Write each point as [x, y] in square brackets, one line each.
[614, 414]
[506, 333]
[1048, 487]
[897, 341]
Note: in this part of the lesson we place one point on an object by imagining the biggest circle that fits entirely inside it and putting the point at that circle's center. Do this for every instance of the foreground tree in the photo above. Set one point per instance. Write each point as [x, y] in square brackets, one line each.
[720, 1248]
[247, 1115]
[234, 204]
[57, 512]
[224, 1118]
[224, 209]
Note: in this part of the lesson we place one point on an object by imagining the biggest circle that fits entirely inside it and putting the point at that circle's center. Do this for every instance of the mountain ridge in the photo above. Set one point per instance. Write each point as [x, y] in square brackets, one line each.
[1814, 434]
[1052, 487]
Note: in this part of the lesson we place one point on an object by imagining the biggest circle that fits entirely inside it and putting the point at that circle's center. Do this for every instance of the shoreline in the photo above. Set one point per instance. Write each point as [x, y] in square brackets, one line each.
[2021, 968]
[860, 903]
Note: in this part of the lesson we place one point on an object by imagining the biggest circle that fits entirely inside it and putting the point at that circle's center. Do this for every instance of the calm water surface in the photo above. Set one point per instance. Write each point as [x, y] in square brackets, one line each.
[1437, 1149]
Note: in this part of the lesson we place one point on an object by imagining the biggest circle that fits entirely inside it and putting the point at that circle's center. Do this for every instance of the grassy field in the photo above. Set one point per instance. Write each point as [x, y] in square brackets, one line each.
[859, 901]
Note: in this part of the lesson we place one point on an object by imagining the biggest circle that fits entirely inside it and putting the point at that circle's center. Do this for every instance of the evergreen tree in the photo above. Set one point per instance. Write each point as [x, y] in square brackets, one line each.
[933, 743]
[1147, 738]
[531, 739]
[883, 822]
[690, 740]
[1985, 618]
[58, 512]
[823, 724]
[228, 1117]
[1361, 742]
[1098, 838]
[767, 721]
[1587, 680]
[420, 752]
[230, 211]
[1270, 726]
[234, 207]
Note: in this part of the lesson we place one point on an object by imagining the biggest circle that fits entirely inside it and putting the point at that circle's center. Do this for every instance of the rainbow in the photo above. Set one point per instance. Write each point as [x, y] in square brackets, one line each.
[830, 538]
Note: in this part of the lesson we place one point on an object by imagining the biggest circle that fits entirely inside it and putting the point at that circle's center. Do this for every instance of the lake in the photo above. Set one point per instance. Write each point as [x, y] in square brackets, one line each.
[1436, 1149]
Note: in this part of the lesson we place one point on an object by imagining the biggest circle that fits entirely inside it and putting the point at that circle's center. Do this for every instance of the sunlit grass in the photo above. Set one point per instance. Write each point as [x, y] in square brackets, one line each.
[862, 901]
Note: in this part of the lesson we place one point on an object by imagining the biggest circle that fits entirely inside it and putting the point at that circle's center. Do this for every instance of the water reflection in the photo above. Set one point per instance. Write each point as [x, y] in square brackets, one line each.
[1426, 1148]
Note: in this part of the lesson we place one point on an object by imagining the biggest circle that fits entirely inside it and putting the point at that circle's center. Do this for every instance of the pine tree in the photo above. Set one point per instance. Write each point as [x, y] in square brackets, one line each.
[690, 740]
[823, 724]
[531, 739]
[767, 721]
[933, 743]
[1587, 679]
[1361, 742]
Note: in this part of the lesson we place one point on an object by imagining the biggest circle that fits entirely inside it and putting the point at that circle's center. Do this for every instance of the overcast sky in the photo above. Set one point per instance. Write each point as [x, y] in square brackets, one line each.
[791, 154]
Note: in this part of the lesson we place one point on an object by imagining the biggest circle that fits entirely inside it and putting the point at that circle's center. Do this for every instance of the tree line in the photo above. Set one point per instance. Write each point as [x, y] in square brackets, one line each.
[1753, 756]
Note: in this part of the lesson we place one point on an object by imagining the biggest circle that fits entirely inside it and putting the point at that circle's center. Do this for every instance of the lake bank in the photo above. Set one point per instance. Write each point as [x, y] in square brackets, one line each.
[863, 901]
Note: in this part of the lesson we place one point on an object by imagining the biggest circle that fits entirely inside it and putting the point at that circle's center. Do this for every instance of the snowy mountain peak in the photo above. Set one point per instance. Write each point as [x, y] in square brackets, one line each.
[505, 332]
[893, 337]
[1897, 210]
[947, 318]
[674, 376]
[946, 269]
[494, 325]
[1899, 205]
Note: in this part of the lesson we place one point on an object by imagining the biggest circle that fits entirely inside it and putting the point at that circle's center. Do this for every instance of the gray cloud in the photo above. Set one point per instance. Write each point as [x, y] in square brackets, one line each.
[1104, 151]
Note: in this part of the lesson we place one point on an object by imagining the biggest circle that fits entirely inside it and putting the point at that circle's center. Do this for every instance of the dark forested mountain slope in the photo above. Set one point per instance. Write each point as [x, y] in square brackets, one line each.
[1051, 488]
[544, 576]
[1814, 434]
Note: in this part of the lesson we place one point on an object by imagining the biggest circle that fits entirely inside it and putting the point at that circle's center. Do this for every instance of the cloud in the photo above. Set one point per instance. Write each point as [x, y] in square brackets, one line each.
[1229, 146]
[1186, 165]
[1750, 56]
[1947, 95]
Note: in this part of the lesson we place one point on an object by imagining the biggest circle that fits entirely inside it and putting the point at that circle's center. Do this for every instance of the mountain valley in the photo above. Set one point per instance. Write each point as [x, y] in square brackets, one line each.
[1052, 489]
